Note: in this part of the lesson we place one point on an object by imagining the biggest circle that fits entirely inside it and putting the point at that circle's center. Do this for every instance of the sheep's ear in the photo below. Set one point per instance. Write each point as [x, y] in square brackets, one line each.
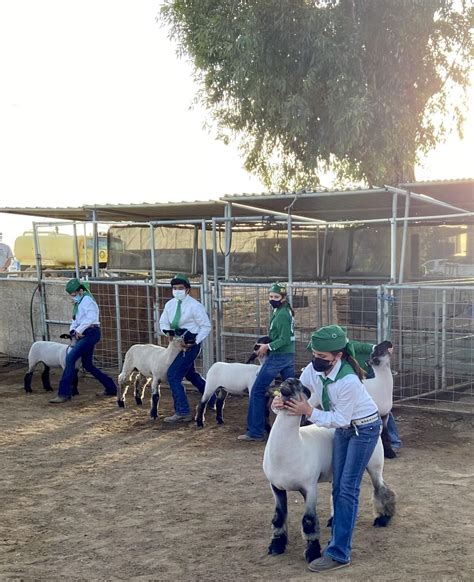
[307, 392]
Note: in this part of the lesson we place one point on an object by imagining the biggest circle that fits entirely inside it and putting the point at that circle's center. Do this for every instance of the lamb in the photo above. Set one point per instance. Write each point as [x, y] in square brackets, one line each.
[296, 459]
[152, 362]
[381, 389]
[51, 355]
[225, 378]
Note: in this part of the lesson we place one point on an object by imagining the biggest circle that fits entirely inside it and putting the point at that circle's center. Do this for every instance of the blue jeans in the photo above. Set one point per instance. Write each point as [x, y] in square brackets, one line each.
[350, 456]
[273, 365]
[183, 367]
[84, 349]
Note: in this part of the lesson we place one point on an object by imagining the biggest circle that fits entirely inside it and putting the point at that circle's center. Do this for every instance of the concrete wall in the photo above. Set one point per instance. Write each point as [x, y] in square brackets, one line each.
[15, 326]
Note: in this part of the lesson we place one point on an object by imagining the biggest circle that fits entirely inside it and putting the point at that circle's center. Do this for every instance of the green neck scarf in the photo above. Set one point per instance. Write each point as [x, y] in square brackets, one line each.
[344, 370]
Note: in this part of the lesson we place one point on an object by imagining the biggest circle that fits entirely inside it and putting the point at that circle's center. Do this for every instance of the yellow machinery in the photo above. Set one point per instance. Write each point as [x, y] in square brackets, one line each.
[57, 250]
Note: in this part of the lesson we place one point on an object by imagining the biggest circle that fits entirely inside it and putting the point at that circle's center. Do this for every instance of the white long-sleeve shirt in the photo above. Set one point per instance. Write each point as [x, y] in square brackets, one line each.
[349, 398]
[87, 314]
[193, 317]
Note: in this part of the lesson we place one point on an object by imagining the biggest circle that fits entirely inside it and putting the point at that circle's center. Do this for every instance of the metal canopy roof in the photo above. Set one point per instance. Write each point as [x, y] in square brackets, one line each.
[330, 206]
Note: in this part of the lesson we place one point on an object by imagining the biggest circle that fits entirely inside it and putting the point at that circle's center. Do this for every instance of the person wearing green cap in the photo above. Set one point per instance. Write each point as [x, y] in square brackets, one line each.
[335, 378]
[85, 327]
[184, 315]
[278, 357]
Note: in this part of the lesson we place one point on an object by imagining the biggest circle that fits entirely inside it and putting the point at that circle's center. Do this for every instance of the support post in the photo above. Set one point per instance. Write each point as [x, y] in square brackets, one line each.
[41, 287]
[393, 239]
[228, 240]
[404, 239]
[208, 347]
[95, 245]
[118, 326]
[76, 251]
[217, 291]
[290, 261]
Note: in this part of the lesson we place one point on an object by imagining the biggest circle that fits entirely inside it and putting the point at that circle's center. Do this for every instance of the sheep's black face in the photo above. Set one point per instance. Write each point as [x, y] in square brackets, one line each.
[293, 388]
[380, 354]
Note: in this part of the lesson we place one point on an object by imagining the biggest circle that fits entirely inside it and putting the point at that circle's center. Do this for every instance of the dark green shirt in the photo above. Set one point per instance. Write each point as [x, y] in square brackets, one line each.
[282, 336]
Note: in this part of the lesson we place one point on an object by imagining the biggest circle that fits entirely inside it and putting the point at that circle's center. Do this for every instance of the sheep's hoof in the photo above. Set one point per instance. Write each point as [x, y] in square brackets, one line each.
[28, 390]
[48, 389]
[389, 454]
[153, 414]
[329, 523]
[381, 521]
[120, 403]
[277, 545]
[138, 401]
[313, 551]
[220, 420]
[199, 424]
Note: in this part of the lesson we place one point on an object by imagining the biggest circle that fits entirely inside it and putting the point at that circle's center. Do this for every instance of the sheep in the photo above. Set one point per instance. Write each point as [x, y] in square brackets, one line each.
[381, 389]
[296, 459]
[152, 362]
[51, 355]
[225, 378]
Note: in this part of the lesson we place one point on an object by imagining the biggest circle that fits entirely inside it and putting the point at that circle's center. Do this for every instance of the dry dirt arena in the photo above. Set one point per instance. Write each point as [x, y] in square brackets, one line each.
[91, 492]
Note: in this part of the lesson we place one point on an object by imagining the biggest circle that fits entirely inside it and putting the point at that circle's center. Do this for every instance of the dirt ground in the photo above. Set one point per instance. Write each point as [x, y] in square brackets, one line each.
[92, 492]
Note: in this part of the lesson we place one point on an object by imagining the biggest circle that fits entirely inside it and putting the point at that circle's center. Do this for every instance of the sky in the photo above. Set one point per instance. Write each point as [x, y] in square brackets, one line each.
[96, 107]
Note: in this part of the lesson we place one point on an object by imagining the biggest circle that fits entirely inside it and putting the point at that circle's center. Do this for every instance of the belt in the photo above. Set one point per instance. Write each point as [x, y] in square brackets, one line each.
[93, 325]
[365, 420]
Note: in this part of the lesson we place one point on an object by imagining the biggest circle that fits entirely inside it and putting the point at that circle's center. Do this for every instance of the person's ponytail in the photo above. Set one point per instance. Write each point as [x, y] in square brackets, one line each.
[352, 362]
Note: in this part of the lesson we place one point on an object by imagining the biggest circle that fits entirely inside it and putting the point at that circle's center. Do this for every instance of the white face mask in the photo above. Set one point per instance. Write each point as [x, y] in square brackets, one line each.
[179, 294]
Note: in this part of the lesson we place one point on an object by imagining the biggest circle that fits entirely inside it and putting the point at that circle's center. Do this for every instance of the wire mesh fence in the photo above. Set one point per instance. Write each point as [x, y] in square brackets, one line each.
[431, 327]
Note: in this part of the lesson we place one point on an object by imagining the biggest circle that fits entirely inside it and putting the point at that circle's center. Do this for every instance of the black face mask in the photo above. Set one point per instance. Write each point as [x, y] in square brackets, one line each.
[276, 303]
[321, 365]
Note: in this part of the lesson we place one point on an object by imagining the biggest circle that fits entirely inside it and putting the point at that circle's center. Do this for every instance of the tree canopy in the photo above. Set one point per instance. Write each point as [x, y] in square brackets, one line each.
[357, 86]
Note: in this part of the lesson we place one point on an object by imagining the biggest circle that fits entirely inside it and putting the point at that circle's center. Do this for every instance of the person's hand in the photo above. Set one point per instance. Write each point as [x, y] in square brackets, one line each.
[262, 350]
[298, 407]
[278, 403]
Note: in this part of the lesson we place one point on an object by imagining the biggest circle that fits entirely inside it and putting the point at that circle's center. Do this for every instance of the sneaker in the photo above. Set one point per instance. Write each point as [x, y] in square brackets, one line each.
[246, 437]
[59, 399]
[326, 563]
[178, 418]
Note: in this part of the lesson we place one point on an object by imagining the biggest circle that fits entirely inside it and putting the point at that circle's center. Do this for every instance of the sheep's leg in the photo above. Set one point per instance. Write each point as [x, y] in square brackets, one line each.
[45, 379]
[123, 380]
[279, 523]
[27, 380]
[75, 382]
[220, 402]
[141, 395]
[268, 401]
[155, 398]
[310, 526]
[136, 389]
[384, 497]
[389, 453]
[200, 409]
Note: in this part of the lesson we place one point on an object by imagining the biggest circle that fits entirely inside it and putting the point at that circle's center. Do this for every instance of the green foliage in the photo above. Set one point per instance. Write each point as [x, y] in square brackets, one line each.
[356, 86]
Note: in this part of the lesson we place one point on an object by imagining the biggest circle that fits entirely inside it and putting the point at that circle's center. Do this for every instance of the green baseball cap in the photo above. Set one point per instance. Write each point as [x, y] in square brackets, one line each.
[278, 288]
[330, 338]
[180, 279]
[73, 285]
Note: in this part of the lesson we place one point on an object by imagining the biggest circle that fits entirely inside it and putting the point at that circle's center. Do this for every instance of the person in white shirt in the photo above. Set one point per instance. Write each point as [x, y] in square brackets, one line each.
[85, 327]
[185, 316]
[6, 255]
[335, 379]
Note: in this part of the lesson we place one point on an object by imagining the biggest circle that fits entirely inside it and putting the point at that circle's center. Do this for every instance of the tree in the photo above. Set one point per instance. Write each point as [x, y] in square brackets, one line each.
[357, 86]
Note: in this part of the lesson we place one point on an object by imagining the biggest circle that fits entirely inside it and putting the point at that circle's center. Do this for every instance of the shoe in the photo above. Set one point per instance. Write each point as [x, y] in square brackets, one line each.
[59, 399]
[326, 563]
[105, 395]
[178, 418]
[246, 437]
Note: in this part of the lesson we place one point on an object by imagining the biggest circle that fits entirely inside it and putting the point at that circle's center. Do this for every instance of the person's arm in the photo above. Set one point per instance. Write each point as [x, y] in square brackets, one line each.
[203, 322]
[89, 314]
[165, 320]
[340, 417]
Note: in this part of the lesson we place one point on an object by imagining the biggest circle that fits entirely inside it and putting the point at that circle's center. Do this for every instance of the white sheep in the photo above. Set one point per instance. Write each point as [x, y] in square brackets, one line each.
[380, 389]
[51, 355]
[296, 459]
[152, 362]
[229, 378]
[225, 378]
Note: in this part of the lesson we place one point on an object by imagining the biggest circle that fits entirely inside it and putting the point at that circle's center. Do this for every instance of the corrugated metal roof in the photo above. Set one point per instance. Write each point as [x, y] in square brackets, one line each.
[327, 205]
